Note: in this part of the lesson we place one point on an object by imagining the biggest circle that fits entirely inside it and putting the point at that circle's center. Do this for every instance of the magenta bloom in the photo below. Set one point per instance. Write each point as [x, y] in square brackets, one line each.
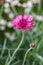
[23, 22]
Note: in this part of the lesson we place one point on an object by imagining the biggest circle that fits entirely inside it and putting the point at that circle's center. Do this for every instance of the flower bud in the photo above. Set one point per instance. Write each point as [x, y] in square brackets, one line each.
[32, 45]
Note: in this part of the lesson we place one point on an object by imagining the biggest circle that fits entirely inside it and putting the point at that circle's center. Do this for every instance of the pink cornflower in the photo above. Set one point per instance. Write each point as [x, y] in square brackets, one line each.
[23, 22]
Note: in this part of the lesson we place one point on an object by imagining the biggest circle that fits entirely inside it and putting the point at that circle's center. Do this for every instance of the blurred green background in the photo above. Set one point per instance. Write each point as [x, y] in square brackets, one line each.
[10, 38]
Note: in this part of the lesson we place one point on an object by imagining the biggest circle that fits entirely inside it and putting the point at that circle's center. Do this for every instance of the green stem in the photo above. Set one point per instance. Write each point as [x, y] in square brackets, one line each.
[1, 11]
[4, 46]
[15, 11]
[16, 49]
[26, 56]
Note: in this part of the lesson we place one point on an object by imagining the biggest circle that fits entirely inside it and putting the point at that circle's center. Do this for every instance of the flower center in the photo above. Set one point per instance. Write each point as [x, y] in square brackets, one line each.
[22, 23]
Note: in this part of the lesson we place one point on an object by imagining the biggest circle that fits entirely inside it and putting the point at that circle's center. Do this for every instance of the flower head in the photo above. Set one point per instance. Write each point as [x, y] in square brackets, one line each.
[23, 22]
